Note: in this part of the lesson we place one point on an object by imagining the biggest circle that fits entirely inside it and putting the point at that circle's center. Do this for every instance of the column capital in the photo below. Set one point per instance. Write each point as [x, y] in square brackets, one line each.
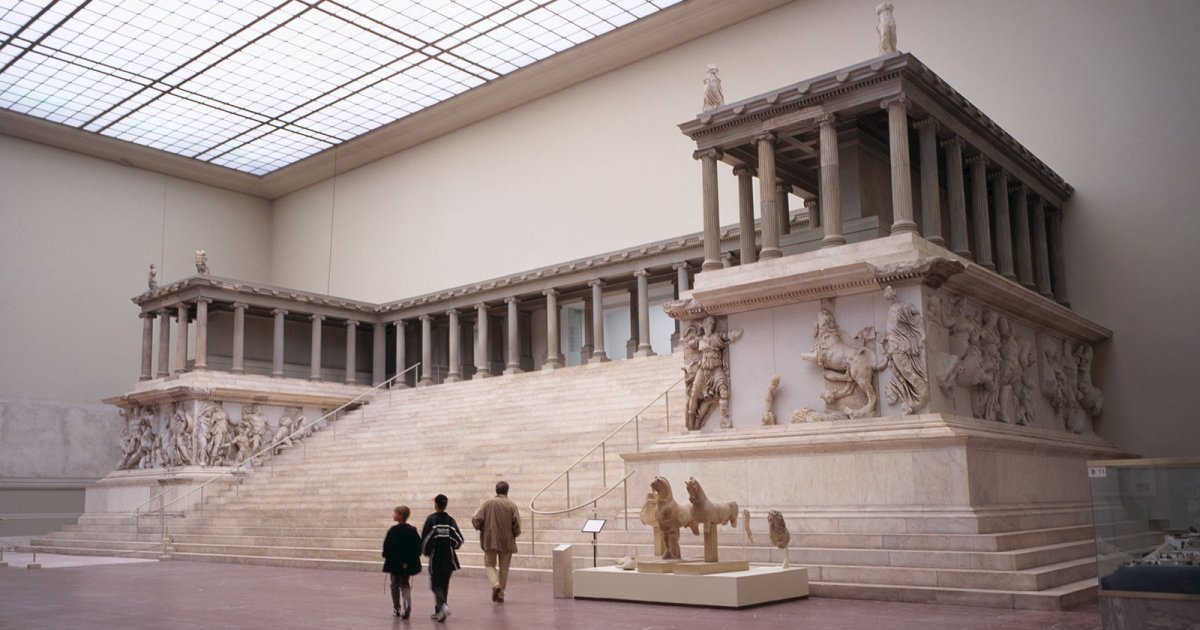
[399, 323]
[241, 305]
[551, 293]
[164, 311]
[204, 300]
[147, 315]
[768, 137]
[596, 283]
[810, 204]
[351, 323]
[452, 312]
[714, 154]
[679, 265]
[425, 318]
[998, 174]
[640, 273]
[953, 141]
[740, 171]
[481, 306]
[900, 99]
[928, 121]
[279, 311]
[316, 317]
[828, 118]
[783, 187]
[1019, 188]
[512, 299]
[978, 158]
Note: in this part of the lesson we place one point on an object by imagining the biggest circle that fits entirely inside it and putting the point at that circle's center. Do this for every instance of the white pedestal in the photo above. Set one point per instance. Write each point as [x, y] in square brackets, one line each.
[736, 589]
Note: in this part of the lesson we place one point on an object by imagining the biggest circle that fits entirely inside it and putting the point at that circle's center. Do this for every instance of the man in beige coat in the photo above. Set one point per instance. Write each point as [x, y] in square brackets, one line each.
[499, 524]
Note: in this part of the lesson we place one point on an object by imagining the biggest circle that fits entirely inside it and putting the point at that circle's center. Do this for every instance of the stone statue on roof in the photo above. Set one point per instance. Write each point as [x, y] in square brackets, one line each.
[201, 261]
[152, 278]
[713, 96]
[886, 28]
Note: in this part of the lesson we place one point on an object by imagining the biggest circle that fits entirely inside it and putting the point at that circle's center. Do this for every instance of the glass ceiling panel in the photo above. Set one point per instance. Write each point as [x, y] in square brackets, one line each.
[256, 85]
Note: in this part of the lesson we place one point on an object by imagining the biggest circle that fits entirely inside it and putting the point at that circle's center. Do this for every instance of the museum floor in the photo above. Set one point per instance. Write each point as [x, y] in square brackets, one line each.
[97, 593]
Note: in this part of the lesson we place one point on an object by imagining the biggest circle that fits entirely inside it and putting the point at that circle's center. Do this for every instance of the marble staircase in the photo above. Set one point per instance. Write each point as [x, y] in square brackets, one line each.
[327, 505]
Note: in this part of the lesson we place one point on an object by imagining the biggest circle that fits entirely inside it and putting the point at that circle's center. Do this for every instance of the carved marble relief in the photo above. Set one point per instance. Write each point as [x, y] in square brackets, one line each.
[848, 368]
[706, 371]
[974, 359]
[769, 415]
[904, 344]
[1067, 383]
[1016, 382]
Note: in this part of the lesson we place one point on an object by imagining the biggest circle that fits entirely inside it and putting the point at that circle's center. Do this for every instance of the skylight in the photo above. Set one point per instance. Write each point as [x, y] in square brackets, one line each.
[255, 86]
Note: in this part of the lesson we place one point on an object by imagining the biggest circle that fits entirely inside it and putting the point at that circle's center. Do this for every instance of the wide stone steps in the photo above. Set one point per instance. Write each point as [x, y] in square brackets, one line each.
[1057, 598]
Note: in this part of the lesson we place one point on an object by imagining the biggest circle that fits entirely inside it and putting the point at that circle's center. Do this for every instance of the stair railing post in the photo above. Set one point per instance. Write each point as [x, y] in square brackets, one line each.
[568, 488]
[625, 492]
[637, 434]
[533, 533]
[668, 399]
[603, 463]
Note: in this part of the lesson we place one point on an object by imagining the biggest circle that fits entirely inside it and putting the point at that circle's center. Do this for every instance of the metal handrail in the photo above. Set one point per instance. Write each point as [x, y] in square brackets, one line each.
[237, 468]
[534, 512]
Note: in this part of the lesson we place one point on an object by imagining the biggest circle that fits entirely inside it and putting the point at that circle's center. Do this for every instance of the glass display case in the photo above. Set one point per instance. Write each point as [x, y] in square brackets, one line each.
[1146, 514]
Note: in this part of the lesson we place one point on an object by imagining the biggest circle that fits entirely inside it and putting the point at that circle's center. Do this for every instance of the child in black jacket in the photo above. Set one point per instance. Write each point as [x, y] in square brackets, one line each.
[402, 559]
[440, 537]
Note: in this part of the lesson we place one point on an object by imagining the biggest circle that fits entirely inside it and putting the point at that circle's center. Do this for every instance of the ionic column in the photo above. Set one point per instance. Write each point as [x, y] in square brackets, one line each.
[181, 338]
[746, 214]
[598, 354]
[957, 197]
[643, 290]
[831, 186]
[814, 212]
[454, 375]
[514, 350]
[164, 342]
[1055, 245]
[351, 351]
[401, 361]
[147, 346]
[239, 338]
[979, 211]
[712, 218]
[483, 360]
[314, 373]
[1003, 225]
[1024, 250]
[202, 333]
[1041, 251]
[783, 209]
[902, 205]
[553, 356]
[378, 354]
[931, 203]
[426, 351]
[766, 204]
[588, 346]
[277, 344]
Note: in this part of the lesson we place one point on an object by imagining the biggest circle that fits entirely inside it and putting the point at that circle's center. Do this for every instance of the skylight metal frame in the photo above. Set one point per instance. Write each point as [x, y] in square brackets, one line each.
[255, 85]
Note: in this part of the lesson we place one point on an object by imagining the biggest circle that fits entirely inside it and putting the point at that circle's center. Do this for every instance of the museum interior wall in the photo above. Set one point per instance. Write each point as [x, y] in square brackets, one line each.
[76, 236]
[601, 165]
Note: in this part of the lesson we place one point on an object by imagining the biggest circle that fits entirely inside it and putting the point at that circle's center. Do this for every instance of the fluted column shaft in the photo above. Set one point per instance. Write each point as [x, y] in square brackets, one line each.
[957, 197]
[588, 346]
[314, 371]
[782, 209]
[681, 285]
[181, 338]
[831, 186]
[239, 338]
[553, 355]
[1041, 251]
[401, 352]
[202, 333]
[378, 354]
[902, 204]
[1003, 225]
[1024, 251]
[277, 344]
[712, 216]
[643, 289]
[931, 203]
[483, 349]
[746, 214]
[147, 346]
[598, 353]
[164, 342]
[632, 344]
[426, 351]
[351, 352]
[514, 341]
[979, 212]
[1055, 244]
[454, 374]
[767, 181]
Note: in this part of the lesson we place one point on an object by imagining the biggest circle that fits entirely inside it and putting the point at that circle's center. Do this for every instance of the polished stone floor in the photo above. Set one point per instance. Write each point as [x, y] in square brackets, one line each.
[79, 593]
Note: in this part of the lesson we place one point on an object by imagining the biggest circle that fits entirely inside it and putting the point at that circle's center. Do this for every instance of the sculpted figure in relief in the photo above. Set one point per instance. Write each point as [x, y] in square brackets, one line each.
[671, 517]
[1015, 385]
[183, 425]
[706, 371]
[848, 367]
[256, 427]
[219, 438]
[201, 261]
[131, 442]
[713, 96]
[886, 28]
[147, 441]
[1067, 382]
[903, 345]
[287, 426]
[769, 415]
[1090, 397]
[974, 357]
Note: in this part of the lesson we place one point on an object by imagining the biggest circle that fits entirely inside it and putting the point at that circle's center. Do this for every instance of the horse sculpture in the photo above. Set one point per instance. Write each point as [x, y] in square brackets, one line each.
[848, 367]
[710, 514]
[671, 517]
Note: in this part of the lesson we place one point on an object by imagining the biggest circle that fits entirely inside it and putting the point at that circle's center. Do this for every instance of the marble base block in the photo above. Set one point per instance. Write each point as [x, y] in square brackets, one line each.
[126, 490]
[735, 589]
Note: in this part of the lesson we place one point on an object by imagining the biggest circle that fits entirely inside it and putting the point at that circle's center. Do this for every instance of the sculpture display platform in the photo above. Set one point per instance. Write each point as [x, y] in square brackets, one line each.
[690, 566]
[734, 589]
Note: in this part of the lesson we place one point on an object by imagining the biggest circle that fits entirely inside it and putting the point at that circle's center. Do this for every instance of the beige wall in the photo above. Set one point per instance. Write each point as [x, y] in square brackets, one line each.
[1103, 92]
